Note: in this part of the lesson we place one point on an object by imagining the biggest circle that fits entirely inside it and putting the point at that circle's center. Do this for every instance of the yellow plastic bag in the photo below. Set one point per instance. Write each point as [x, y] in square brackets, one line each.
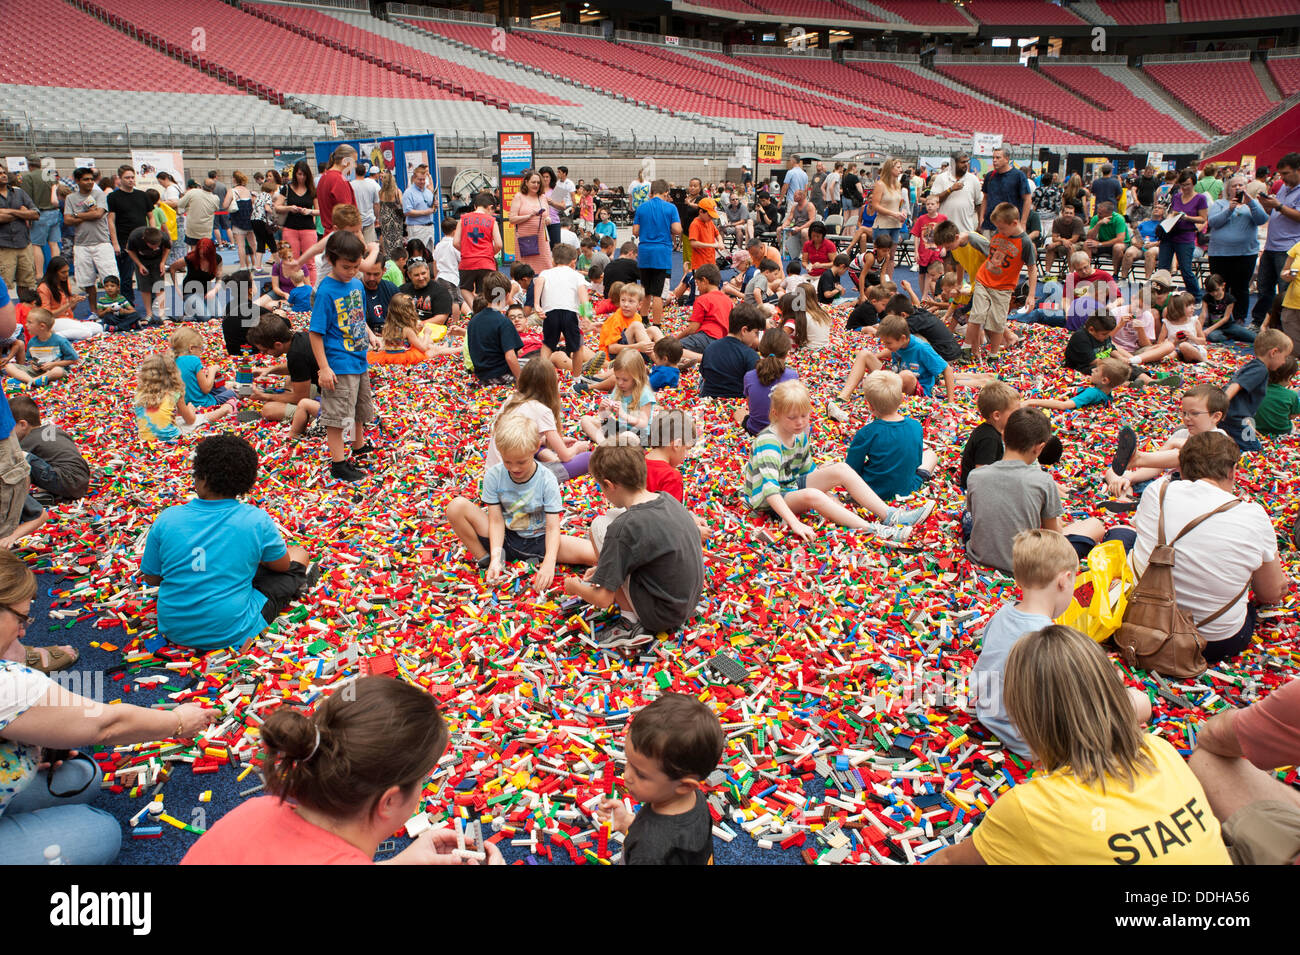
[1111, 578]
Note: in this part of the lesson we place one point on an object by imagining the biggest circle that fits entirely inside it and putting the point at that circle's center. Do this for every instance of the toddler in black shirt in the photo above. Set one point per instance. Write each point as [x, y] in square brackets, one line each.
[672, 746]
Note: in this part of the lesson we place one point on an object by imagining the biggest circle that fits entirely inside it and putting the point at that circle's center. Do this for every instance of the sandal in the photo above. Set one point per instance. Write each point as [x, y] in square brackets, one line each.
[1119, 507]
[1125, 446]
[59, 659]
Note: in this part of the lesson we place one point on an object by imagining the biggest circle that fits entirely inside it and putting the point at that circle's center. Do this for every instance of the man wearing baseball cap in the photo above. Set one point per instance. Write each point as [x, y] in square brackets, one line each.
[706, 240]
[365, 191]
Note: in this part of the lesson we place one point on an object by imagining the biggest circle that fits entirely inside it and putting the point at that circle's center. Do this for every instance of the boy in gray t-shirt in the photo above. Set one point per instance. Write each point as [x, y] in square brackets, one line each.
[1014, 494]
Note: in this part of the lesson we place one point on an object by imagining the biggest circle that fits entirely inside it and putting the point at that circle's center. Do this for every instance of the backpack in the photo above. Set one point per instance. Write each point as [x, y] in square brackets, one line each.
[1156, 634]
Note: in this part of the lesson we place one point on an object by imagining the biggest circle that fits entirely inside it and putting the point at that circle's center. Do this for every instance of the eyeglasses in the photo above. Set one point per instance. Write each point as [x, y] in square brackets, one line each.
[24, 619]
[1194, 414]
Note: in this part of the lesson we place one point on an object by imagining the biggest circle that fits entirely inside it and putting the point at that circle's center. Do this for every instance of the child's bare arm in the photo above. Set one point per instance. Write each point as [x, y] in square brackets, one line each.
[1231, 391]
[496, 541]
[594, 595]
[950, 383]
[1051, 404]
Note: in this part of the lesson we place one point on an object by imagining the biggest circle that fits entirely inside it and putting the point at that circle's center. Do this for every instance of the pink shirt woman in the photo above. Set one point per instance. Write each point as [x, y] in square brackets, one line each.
[528, 216]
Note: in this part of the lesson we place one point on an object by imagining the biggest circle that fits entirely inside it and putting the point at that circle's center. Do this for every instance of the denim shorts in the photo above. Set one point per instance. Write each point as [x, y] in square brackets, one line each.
[895, 234]
[48, 228]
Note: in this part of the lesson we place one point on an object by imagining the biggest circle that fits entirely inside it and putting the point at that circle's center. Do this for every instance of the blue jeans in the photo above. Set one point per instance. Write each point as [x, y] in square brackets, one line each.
[1185, 251]
[47, 230]
[1268, 279]
[34, 820]
[45, 477]
[220, 221]
[1233, 331]
[1040, 316]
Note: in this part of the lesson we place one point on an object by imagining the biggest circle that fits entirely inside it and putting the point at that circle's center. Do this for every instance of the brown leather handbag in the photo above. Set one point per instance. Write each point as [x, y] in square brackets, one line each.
[1156, 634]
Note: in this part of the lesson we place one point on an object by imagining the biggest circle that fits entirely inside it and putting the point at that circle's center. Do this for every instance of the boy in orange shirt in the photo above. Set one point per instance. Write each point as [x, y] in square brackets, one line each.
[706, 240]
[622, 330]
[1009, 250]
[709, 315]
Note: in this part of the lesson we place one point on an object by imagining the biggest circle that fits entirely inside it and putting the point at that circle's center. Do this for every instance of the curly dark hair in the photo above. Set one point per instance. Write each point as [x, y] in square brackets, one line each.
[227, 463]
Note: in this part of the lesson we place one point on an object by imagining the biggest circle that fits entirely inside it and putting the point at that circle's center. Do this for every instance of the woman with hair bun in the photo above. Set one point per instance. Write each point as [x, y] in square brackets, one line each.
[340, 782]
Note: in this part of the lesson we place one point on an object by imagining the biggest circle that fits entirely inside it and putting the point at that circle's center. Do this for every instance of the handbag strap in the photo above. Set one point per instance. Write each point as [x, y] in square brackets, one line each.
[1226, 607]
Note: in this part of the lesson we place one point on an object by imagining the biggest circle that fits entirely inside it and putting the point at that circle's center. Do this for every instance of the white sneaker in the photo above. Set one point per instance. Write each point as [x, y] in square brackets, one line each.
[834, 411]
[894, 533]
[909, 517]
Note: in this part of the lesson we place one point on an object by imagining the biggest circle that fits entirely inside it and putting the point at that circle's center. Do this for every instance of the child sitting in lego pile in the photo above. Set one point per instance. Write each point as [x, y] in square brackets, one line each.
[1131, 470]
[780, 477]
[221, 567]
[201, 390]
[58, 467]
[672, 746]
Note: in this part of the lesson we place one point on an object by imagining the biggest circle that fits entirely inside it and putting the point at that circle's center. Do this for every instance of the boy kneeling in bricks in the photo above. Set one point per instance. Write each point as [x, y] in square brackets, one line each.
[649, 559]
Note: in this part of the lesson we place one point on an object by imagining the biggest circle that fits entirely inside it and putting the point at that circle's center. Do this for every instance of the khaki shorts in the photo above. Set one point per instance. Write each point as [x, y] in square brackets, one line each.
[17, 268]
[15, 477]
[989, 307]
[349, 402]
[92, 263]
[600, 527]
[1290, 323]
[1266, 832]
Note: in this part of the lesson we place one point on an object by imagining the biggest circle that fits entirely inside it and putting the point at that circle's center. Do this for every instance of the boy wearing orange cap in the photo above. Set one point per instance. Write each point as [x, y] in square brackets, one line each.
[706, 240]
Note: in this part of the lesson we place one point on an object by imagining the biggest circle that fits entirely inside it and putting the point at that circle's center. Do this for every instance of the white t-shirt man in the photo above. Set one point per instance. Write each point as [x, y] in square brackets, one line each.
[960, 206]
[1215, 560]
[365, 191]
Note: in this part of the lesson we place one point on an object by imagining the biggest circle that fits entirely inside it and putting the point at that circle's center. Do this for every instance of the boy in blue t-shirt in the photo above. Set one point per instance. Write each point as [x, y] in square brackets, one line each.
[1107, 375]
[888, 453]
[1249, 384]
[49, 356]
[222, 569]
[665, 358]
[727, 360]
[522, 520]
[340, 342]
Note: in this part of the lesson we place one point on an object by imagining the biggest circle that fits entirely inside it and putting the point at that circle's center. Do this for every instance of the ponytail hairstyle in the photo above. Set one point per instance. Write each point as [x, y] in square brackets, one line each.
[772, 349]
[537, 382]
[400, 316]
[370, 736]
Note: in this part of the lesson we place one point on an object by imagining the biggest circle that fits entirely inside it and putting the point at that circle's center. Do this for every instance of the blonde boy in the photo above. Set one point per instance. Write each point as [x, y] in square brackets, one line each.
[1044, 564]
[522, 520]
[780, 477]
[888, 452]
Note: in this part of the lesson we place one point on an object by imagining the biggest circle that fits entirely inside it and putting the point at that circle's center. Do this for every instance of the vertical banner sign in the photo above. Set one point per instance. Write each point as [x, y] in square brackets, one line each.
[767, 156]
[1247, 167]
[514, 157]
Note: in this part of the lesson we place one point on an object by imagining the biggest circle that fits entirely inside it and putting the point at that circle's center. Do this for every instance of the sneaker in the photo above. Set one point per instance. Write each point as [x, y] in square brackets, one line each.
[314, 572]
[362, 451]
[836, 413]
[593, 367]
[894, 533]
[484, 562]
[909, 516]
[621, 633]
[1169, 380]
[346, 471]
[584, 384]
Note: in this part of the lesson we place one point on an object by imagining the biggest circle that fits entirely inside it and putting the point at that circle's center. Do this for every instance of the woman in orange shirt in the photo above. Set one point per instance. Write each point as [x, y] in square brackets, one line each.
[340, 782]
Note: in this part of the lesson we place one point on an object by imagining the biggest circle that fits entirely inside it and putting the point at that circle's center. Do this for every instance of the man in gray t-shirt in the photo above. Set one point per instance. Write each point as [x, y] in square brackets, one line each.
[86, 209]
[1005, 498]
